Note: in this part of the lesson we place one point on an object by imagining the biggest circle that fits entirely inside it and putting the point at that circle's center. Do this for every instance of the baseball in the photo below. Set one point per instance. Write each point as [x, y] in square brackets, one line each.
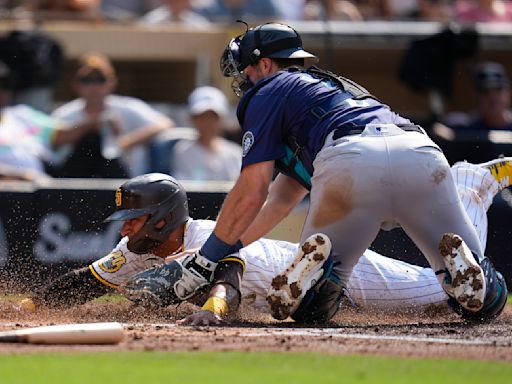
[27, 305]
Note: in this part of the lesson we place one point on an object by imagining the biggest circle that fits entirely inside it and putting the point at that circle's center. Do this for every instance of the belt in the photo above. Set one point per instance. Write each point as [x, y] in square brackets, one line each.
[338, 132]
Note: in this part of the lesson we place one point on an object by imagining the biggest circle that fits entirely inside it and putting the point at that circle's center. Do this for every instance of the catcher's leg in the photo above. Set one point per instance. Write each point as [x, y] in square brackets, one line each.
[495, 298]
[322, 301]
[477, 291]
[288, 288]
[465, 280]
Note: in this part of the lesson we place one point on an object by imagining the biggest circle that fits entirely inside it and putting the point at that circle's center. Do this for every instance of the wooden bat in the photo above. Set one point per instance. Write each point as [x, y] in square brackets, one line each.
[87, 333]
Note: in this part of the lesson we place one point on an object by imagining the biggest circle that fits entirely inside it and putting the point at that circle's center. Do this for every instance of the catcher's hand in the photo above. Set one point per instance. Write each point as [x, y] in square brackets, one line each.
[201, 318]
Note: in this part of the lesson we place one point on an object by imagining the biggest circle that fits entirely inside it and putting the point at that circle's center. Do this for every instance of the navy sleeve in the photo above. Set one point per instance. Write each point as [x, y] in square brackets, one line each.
[262, 125]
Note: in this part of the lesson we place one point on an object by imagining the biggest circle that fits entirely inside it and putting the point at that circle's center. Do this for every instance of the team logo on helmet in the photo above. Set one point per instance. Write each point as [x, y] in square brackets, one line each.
[247, 142]
[113, 262]
[119, 197]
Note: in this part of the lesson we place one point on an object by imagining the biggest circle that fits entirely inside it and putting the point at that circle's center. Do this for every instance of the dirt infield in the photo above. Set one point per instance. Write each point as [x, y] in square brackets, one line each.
[434, 333]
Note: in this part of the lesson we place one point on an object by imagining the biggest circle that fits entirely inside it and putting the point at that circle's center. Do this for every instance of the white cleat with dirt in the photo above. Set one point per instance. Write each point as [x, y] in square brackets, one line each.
[288, 289]
[468, 285]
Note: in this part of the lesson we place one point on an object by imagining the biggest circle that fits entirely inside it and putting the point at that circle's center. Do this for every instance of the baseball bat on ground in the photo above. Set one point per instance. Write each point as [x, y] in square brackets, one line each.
[87, 333]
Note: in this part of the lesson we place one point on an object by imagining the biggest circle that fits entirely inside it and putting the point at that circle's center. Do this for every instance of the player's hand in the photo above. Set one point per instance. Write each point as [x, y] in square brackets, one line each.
[202, 317]
[180, 255]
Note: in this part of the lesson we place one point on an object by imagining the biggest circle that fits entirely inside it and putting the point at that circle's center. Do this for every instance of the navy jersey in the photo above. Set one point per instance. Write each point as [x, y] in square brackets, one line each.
[281, 107]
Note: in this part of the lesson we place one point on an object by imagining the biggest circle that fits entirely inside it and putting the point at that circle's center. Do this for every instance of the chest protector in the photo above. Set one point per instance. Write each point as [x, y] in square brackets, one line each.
[298, 161]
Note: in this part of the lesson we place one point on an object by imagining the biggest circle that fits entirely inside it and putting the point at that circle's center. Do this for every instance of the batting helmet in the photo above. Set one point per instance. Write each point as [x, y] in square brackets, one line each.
[155, 194]
[273, 40]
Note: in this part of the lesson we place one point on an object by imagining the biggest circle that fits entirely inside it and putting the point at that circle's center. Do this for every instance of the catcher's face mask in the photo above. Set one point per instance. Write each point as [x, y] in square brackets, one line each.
[230, 66]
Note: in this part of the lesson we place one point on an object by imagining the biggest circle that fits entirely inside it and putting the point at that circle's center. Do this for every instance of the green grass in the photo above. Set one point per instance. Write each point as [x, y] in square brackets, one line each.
[242, 368]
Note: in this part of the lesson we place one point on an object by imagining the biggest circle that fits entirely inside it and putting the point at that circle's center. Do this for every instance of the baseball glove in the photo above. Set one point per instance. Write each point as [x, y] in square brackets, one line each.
[161, 286]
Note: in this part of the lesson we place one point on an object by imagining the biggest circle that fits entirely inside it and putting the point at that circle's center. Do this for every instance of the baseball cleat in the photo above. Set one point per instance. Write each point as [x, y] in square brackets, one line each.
[501, 170]
[467, 284]
[288, 288]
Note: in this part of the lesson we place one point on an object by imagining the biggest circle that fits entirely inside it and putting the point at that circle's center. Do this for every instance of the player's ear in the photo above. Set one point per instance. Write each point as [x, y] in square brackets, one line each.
[267, 66]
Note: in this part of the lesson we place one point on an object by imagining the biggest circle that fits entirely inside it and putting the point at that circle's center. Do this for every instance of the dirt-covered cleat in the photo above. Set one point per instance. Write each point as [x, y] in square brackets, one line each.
[288, 289]
[466, 283]
[501, 170]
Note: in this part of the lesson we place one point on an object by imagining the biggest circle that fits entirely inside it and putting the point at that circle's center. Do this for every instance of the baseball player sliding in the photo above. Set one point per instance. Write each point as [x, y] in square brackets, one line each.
[365, 168]
[157, 227]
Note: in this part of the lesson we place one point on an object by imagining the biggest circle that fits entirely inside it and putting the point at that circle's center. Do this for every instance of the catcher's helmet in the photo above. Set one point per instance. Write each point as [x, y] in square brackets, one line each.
[155, 194]
[273, 40]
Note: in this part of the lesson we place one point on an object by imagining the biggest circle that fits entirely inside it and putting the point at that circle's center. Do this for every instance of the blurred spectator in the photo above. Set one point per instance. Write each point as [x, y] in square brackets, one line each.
[492, 90]
[35, 60]
[88, 10]
[27, 136]
[421, 10]
[472, 11]
[292, 9]
[127, 10]
[228, 11]
[111, 130]
[486, 131]
[209, 157]
[376, 9]
[174, 11]
[331, 10]
[399, 9]
[434, 10]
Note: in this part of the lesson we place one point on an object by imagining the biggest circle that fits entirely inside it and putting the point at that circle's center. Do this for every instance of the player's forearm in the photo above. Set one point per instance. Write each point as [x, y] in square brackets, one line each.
[224, 297]
[285, 193]
[238, 211]
[223, 301]
[243, 203]
[73, 288]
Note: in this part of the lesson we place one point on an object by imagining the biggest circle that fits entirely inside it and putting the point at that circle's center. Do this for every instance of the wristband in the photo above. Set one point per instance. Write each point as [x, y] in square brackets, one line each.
[216, 305]
[215, 249]
[234, 259]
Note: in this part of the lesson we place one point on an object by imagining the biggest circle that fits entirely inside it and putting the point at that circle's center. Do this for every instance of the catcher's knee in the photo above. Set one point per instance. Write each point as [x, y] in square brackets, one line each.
[495, 298]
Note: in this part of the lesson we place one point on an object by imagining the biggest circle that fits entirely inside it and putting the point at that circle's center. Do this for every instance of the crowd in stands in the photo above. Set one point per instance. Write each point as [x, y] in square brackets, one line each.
[111, 131]
[201, 13]
[488, 126]
[103, 134]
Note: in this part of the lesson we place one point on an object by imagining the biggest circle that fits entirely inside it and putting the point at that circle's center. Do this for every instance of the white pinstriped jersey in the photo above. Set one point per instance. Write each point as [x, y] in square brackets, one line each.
[118, 267]
[376, 280]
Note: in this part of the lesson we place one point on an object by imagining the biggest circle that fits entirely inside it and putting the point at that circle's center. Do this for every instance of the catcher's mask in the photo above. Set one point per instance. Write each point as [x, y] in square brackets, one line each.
[272, 40]
[155, 194]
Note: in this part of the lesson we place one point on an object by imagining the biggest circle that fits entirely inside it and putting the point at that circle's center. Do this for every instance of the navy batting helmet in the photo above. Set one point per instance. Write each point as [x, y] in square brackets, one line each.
[155, 194]
[272, 40]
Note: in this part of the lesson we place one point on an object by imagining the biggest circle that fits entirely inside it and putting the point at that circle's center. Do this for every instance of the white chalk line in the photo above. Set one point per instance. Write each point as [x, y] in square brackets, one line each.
[336, 333]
